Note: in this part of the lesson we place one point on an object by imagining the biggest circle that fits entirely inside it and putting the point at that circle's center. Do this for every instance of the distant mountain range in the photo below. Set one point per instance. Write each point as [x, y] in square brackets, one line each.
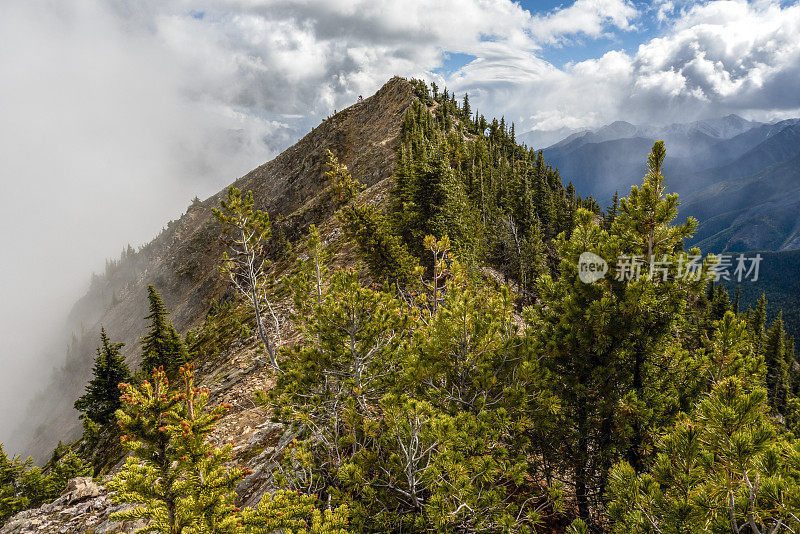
[740, 178]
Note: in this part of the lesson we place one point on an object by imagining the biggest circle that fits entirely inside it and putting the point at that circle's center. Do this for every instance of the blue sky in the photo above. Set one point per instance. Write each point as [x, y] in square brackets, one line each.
[580, 49]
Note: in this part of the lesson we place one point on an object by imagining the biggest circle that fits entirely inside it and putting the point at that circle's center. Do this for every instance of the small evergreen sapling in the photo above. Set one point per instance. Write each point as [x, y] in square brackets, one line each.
[182, 484]
[148, 479]
[344, 186]
[68, 467]
[23, 485]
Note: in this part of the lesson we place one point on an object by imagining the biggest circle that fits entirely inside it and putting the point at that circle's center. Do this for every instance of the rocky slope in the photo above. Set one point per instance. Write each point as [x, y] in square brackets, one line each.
[182, 263]
[83, 507]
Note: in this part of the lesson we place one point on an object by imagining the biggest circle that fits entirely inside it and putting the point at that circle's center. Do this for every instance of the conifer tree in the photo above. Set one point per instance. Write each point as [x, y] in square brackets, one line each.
[794, 367]
[181, 483]
[466, 111]
[357, 330]
[611, 211]
[647, 214]
[68, 467]
[488, 392]
[344, 186]
[720, 302]
[731, 353]
[12, 498]
[384, 252]
[162, 345]
[606, 342]
[292, 512]
[308, 285]
[757, 322]
[332, 387]
[721, 470]
[60, 451]
[208, 482]
[777, 366]
[38, 487]
[148, 478]
[101, 400]
[24, 485]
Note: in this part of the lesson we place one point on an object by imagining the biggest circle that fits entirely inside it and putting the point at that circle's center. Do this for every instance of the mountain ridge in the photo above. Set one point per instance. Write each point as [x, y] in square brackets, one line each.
[181, 261]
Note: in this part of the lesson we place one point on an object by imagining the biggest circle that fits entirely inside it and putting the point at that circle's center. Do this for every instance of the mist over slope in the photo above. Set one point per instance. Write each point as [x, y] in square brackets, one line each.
[182, 261]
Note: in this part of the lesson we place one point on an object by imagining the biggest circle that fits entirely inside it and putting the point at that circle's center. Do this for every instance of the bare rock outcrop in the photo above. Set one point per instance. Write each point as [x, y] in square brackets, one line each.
[83, 507]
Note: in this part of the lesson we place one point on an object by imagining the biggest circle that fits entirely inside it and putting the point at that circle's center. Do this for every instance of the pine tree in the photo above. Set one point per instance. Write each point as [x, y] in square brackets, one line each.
[60, 451]
[794, 367]
[720, 302]
[291, 512]
[148, 478]
[333, 384]
[731, 354]
[607, 342]
[162, 345]
[12, 498]
[308, 284]
[757, 322]
[343, 185]
[101, 399]
[181, 483]
[384, 252]
[646, 215]
[485, 398]
[68, 467]
[209, 483]
[721, 470]
[24, 485]
[777, 366]
[38, 488]
[611, 211]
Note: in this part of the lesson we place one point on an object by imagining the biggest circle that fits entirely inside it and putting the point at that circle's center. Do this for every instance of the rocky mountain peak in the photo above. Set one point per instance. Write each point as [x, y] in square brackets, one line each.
[182, 261]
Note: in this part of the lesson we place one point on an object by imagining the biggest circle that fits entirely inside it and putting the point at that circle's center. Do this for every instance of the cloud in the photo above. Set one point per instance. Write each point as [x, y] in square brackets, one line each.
[102, 142]
[665, 9]
[712, 59]
[117, 112]
[592, 18]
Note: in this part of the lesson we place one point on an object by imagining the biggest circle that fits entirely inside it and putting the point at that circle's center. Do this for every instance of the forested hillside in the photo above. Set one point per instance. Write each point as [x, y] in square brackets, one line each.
[423, 352]
[737, 177]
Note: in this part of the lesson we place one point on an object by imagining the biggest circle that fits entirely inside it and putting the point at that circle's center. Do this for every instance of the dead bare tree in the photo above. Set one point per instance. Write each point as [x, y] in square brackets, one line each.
[246, 232]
